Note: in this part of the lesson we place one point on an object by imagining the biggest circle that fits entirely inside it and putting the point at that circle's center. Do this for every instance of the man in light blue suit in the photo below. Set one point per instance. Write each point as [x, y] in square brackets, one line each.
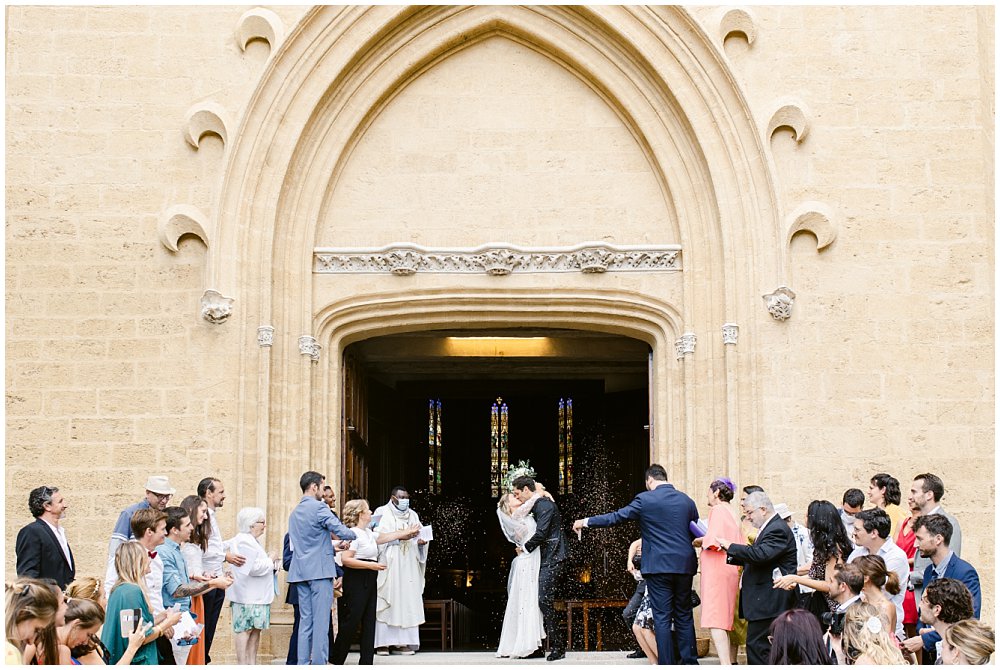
[312, 568]
[668, 560]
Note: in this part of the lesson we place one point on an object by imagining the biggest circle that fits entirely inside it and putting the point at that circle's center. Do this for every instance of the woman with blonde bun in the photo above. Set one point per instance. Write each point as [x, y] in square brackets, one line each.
[968, 642]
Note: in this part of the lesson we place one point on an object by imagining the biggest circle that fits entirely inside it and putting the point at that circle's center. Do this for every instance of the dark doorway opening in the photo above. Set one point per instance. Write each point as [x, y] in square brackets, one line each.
[531, 372]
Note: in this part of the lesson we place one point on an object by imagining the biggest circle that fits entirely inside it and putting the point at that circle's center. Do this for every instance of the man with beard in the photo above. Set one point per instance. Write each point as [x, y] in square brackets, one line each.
[211, 490]
[933, 535]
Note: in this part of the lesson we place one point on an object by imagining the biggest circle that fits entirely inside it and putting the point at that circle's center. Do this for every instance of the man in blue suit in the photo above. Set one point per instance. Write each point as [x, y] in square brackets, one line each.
[933, 538]
[668, 559]
[312, 569]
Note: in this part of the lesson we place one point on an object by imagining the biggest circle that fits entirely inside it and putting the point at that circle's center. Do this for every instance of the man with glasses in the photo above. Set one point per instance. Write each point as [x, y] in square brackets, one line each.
[771, 555]
[42, 548]
[158, 493]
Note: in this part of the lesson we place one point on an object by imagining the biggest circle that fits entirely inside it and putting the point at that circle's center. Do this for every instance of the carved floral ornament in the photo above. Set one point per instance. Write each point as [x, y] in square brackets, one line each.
[308, 346]
[498, 260]
[779, 303]
[685, 344]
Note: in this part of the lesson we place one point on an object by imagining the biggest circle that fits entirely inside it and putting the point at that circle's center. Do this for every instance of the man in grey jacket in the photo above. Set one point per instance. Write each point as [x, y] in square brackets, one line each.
[312, 568]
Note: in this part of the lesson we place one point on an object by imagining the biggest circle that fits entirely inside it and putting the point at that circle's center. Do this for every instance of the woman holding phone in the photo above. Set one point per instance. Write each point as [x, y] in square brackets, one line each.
[128, 608]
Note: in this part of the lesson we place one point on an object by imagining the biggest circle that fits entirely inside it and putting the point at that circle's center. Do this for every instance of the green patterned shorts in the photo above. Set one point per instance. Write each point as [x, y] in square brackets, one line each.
[249, 617]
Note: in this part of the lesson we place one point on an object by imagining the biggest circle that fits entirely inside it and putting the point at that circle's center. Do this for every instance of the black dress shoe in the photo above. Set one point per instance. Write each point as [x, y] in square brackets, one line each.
[638, 653]
[538, 653]
[556, 655]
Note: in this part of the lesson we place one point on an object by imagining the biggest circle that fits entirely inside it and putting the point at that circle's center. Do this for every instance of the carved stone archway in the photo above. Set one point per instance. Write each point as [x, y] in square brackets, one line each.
[340, 65]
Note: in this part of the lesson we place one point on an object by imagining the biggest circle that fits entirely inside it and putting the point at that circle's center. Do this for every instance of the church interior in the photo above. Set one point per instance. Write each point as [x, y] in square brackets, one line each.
[446, 413]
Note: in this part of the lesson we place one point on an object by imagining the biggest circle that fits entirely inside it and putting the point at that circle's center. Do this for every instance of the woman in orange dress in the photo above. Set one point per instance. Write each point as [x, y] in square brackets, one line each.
[719, 582]
[193, 552]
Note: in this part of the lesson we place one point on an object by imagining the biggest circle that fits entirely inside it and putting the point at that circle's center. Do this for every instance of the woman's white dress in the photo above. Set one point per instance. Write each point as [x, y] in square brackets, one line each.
[523, 627]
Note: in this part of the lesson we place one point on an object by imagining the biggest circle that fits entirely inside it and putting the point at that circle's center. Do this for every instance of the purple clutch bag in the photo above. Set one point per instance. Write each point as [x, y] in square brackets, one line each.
[697, 529]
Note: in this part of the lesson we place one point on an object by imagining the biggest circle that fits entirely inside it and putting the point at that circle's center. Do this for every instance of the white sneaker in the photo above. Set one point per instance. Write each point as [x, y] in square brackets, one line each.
[382, 652]
[404, 652]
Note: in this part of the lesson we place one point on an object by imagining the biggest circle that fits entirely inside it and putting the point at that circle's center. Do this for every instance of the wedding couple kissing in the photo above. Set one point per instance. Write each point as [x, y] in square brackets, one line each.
[530, 520]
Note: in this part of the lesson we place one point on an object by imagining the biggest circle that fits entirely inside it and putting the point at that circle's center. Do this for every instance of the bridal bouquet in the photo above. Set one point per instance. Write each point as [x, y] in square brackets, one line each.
[522, 469]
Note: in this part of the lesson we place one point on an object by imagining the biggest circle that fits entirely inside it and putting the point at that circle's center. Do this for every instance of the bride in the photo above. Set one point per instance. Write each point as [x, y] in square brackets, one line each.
[523, 628]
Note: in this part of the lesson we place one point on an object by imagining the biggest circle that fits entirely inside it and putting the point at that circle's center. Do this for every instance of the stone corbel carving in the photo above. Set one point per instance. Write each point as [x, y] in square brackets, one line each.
[181, 220]
[259, 24]
[738, 21]
[685, 345]
[815, 218]
[308, 346]
[730, 333]
[265, 336]
[204, 118]
[789, 113]
[779, 303]
[215, 307]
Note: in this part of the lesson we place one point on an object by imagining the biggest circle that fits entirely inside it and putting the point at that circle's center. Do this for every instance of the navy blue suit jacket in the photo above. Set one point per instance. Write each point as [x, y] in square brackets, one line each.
[963, 572]
[664, 515]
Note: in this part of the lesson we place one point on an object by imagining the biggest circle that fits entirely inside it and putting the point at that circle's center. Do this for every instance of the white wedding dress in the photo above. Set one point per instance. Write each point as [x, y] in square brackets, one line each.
[523, 627]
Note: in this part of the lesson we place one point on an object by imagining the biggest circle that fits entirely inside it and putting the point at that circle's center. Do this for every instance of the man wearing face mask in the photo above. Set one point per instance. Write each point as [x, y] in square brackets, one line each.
[400, 606]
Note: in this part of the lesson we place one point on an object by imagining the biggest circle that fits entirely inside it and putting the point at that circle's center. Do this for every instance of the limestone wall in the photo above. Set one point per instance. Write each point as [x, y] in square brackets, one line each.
[886, 364]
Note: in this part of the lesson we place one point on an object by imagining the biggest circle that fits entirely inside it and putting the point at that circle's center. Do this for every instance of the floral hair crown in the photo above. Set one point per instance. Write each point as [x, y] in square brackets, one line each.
[522, 469]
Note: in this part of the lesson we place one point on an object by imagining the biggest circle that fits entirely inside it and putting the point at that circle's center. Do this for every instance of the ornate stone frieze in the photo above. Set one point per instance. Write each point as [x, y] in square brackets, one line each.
[685, 345]
[730, 333]
[498, 260]
[265, 336]
[308, 346]
[779, 303]
[215, 307]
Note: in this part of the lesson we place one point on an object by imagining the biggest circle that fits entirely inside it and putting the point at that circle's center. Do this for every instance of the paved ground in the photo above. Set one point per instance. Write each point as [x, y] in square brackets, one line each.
[573, 658]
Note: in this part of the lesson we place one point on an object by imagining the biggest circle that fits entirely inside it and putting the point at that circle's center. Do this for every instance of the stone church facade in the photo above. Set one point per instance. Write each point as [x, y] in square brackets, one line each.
[792, 206]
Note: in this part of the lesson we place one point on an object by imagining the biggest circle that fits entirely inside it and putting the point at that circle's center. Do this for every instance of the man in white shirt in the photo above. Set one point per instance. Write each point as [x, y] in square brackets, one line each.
[211, 490]
[854, 500]
[149, 528]
[871, 536]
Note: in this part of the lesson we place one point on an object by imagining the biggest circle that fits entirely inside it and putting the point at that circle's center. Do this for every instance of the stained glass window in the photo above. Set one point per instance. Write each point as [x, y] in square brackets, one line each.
[498, 444]
[565, 445]
[434, 446]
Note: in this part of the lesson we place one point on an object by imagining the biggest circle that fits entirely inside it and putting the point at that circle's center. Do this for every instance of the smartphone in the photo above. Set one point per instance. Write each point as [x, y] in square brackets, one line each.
[130, 621]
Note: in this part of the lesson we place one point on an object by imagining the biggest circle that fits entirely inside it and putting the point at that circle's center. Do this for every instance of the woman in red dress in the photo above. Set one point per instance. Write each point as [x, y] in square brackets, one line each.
[906, 540]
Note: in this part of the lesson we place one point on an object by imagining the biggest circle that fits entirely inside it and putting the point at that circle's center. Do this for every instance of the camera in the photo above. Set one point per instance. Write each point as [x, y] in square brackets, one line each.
[834, 621]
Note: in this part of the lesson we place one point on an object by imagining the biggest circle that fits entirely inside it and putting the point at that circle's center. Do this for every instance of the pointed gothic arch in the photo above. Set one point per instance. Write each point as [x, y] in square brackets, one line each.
[331, 76]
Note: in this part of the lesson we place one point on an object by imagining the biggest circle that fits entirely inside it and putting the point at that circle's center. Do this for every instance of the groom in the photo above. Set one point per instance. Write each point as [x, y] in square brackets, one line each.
[549, 536]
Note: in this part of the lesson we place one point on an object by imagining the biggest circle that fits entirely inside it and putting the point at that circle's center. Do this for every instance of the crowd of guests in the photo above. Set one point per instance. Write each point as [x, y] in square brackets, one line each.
[873, 586]
[170, 571]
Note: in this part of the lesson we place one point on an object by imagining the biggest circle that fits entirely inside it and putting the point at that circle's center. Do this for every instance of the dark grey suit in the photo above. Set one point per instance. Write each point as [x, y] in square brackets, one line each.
[552, 542]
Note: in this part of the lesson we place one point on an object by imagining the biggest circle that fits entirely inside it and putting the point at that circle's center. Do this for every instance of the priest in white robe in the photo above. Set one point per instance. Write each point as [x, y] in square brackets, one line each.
[400, 606]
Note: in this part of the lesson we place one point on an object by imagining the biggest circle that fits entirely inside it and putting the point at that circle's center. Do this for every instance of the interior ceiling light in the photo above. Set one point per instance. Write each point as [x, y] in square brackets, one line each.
[499, 346]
